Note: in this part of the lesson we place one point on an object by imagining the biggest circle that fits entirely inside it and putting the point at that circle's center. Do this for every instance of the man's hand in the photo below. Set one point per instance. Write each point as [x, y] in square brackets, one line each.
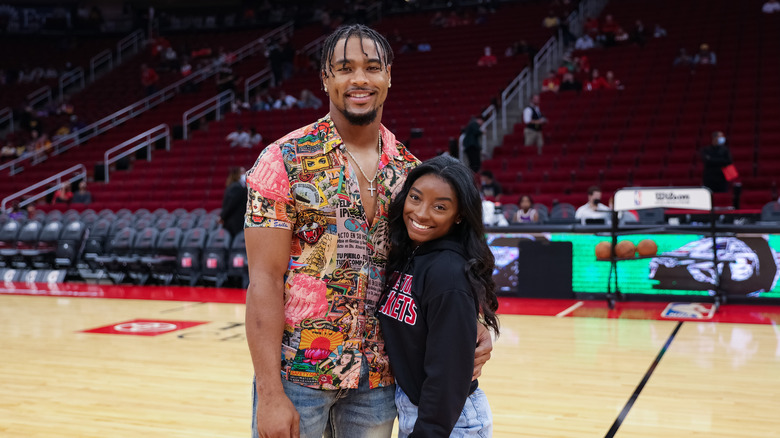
[482, 353]
[277, 417]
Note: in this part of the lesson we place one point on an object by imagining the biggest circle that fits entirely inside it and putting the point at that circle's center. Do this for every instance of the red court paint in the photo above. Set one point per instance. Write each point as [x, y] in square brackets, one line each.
[144, 327]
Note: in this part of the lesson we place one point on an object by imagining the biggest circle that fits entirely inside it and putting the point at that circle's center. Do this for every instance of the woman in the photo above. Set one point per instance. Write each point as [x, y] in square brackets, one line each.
[439, 285]
[526, 214]
[63, 195]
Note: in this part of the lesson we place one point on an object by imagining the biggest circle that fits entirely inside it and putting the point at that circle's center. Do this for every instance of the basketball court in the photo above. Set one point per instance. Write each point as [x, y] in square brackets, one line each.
[115, 361]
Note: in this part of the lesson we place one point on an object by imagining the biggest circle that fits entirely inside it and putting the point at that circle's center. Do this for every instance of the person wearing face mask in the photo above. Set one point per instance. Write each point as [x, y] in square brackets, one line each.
[593, 209]
[715, 157]
[234, 202]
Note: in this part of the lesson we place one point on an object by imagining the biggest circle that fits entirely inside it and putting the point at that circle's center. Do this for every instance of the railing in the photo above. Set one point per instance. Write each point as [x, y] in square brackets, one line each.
[140, 141]
[259, 44]
[517, 91]
[80, 173]
[42, 94]
[265, 75]
[130, 43]
[489, 126]
[374, 11]
[544, 59]
[215, 104]
[72, 77]
[103, 58]
[74, 139]
[257, 80]
[7, 115]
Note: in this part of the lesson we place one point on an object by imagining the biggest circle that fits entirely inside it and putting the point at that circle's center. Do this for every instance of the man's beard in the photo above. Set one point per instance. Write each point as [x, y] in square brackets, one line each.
[360, 119]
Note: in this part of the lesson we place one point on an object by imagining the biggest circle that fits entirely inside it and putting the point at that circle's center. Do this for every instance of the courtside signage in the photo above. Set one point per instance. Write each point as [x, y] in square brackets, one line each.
[638, 198]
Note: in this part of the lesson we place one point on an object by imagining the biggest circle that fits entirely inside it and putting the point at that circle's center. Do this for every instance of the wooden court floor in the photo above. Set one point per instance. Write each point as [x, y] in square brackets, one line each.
[549, 377]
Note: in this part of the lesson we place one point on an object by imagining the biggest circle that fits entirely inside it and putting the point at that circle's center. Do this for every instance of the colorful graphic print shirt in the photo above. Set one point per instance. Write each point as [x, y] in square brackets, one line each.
[304, 183]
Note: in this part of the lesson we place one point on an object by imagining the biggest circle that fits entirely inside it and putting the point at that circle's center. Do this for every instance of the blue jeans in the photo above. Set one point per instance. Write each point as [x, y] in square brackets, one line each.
[475, 420]
[345, 413]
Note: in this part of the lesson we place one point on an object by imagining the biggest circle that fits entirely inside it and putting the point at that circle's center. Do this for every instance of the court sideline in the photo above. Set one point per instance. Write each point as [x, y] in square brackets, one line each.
[175, 364]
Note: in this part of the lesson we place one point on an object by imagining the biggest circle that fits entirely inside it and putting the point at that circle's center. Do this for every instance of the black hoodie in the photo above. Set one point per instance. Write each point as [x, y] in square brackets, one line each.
[429, 322]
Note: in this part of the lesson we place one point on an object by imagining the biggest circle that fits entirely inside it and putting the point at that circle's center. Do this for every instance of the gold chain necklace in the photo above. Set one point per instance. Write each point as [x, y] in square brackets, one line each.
[371, 187]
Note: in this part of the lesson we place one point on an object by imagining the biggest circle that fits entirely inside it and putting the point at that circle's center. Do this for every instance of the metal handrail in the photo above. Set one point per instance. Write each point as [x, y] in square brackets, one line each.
[39, 95]
[256, 80]
[102, 58]
[215, 104]
[543, 57]
[7, 115]
[74, 139]
[146, 139]
[71, 77]
[82, 174]
[489, 124]
[516, 90]
[131, 41]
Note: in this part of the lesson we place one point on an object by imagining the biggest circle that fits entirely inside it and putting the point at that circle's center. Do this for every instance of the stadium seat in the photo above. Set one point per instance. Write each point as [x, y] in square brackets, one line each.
[188, 265]
[238, 261]
[70, 245]
[119, 245]
[162, 264]
[26, 242]
[144, 246]
[43, 254]
[215, 257]
[562, 213]
[8, 237]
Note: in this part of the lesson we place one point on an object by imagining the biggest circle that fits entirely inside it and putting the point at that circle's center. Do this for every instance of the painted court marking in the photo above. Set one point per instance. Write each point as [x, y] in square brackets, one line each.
[570, 309]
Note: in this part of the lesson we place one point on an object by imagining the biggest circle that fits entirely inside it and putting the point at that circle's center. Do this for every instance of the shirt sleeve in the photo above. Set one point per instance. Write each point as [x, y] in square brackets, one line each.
[527, 115]
[269, 201]
[449, 360]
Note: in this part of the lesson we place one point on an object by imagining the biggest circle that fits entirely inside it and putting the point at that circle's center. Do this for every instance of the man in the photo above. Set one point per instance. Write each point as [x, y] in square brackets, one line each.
[489, 187]
[234, 202]
[472, 143]
[593, 209]
[533, 119]
[715, 157]
[316, 239]
[239, 138]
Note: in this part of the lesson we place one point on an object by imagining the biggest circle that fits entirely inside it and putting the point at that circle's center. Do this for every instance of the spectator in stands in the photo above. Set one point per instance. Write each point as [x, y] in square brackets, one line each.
[591, 27]
[238, 105]
[63, 196]
[254, 137]
[683, 58]
[521, 48]
[612, 82]
[534, 121]
[551, 82]
[568, 83]
[8, 152]
[585, 42]
[263, 102]
[715, 157]
[593, 209]
[288, 60]
[285, 101]
[82, 195]
[551, 21]
[658, 31]
[472, 143]
[239, 138]
[16, 212]
[526, 214]
[276, 60]
[424, 47]
[771, 7]
[234, 201]
[488, 59]
[488, 186]
[705, 56]
[149, 79]
[609, 29]
[596, 82]
[308, 100]
[638, 34]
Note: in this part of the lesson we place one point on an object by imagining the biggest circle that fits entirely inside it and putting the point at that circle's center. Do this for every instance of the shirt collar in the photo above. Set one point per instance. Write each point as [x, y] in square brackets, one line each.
[332, 140]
